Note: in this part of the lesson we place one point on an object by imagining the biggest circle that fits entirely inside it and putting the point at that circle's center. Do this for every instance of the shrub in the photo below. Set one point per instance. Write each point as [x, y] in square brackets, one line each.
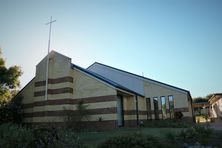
[44, 137]
[56, 138]
[132, 141]
[170, 123]
[11, 111]
[69, 139]
[74, 119]
[204, 134]
[12, 135]
[178, 115]
[201, 134]
[171, 140]
[188, 135]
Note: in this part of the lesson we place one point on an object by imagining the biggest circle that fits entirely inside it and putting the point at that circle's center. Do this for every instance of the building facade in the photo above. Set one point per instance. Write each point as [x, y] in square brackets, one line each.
[215, 107]
[114, 97]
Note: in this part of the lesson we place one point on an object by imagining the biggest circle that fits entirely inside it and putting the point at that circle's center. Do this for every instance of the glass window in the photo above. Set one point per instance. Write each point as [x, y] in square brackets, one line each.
[156, 108]
[148, 107]
[163, 107]
[171, 106]
[120, 113]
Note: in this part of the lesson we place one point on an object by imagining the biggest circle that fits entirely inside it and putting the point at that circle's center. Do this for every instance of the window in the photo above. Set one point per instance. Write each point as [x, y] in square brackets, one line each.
[148, 107]
[156, 108]
[163, 107]
[171, 106]
[120, 113]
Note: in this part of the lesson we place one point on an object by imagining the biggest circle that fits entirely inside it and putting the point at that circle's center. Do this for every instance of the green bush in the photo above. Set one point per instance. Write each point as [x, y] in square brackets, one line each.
[56, 138]
[12, 135]
[44, 137]
[75, 119]
[178, 115]
[171, 140]
[188, 135]
[168, 123]
[201, 134]
[69, 139]
[16, 136]
[132, 141]
[11, 111]
[204, 134]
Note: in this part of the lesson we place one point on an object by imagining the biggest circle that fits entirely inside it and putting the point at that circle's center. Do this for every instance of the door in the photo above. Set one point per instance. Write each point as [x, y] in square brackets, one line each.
[120, 114]
[156, 108]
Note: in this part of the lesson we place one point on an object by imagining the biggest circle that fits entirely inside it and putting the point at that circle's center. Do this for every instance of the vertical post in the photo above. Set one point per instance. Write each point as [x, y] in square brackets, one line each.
[47, 60]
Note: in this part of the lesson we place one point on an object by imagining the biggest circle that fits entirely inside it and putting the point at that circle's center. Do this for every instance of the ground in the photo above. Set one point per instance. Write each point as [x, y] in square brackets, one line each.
[217, 124]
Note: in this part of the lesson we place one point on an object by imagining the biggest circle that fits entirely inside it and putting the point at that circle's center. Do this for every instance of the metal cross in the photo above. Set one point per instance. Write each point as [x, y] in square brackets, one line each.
[47, 61]
[50, 25]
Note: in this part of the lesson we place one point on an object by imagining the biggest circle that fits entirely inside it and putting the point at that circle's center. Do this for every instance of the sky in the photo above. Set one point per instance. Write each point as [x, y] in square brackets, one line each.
[178, 42]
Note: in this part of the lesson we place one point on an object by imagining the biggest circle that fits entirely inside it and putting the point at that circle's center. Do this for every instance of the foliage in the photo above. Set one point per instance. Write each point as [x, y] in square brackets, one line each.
[12, 135]
[75, 119]
[69, 139]
[168, 123]
[52, 137]
[202, 134]
[199, 100]
[137, 140]
[178, 115]
[44, 137]
[202, 99]
[9, 81]
[209, 96]
[12, 111]
[171, 140]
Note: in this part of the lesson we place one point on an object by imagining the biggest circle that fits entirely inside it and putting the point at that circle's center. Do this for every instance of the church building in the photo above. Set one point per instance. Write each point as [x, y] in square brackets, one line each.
[114, 98]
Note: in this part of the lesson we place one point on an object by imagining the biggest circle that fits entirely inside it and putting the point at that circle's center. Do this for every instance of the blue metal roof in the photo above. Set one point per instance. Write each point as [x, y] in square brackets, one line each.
[106, 80]
[139, 76]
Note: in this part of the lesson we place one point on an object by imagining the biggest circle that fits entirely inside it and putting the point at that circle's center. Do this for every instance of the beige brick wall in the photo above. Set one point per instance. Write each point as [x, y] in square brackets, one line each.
[86, 86]
[180, 98]
[28, 92]
[83, 85]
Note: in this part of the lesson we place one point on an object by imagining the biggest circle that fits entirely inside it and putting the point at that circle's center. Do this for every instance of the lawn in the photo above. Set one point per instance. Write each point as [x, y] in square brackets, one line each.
[92, 139]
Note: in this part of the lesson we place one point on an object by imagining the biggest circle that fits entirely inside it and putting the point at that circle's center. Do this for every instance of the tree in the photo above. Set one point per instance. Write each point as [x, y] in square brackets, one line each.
[75, 119]
[209, 96]
[9, 81]
[202, 99]
[199, 100]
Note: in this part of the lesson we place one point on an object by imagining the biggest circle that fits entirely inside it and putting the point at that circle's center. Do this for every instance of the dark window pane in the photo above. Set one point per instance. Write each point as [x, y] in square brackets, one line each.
[148, 107]
[163, 107]
[156, 108]
[171, 106]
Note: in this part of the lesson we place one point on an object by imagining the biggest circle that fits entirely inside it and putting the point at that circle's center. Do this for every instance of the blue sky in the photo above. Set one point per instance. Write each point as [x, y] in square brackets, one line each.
[172, 41]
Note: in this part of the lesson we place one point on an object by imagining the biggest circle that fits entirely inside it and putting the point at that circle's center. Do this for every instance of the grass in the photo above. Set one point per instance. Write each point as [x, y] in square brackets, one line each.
[94, 138]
